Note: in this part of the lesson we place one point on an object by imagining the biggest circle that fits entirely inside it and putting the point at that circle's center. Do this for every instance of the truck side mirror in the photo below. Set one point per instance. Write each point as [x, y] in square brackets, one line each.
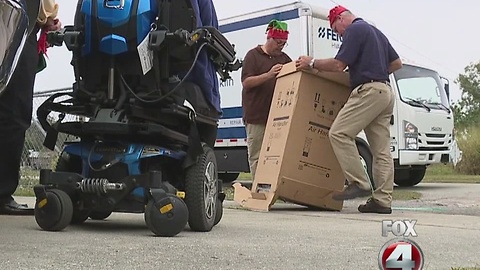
[447, 90]
[446, 86]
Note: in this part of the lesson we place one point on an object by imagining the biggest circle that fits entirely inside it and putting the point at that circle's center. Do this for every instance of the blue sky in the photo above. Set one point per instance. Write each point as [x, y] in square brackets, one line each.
[432, 33]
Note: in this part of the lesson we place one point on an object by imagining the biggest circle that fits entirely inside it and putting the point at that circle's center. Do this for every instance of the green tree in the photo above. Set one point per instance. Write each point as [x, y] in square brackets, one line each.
[467, 109]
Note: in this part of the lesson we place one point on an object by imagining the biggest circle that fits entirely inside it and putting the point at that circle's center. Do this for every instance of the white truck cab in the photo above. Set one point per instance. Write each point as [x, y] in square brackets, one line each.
[421, 128]
[421, 125]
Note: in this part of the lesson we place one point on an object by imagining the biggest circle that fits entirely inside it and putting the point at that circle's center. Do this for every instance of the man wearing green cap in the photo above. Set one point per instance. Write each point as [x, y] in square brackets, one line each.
[260, 68]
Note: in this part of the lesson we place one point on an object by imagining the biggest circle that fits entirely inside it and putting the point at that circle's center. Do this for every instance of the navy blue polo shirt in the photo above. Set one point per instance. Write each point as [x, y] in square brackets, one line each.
[367, 53]
[204, 73]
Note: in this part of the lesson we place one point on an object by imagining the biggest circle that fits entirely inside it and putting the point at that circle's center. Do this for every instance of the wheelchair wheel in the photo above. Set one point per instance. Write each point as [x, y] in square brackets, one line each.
[54, 212]
[201, 191]
[99, 215]
[167, 217]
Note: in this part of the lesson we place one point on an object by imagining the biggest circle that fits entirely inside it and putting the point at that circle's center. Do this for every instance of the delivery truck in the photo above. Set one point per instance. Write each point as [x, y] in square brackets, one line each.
[422, 127]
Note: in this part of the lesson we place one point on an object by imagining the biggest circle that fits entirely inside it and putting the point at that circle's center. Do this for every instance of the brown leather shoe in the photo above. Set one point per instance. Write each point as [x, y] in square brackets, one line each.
[373, 207]
[11, 207]
[350, 192]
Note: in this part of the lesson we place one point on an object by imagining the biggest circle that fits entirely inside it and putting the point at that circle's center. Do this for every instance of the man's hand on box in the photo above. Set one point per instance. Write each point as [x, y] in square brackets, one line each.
[329, 64]
[275, 70]
[304, 62]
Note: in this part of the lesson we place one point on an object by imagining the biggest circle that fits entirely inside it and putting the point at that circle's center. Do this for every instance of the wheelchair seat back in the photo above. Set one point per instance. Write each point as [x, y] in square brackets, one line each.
[118, 31]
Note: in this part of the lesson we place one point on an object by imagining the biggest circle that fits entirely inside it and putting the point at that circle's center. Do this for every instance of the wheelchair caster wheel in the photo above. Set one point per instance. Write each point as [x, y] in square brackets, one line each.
[54, 211]
[167, 217]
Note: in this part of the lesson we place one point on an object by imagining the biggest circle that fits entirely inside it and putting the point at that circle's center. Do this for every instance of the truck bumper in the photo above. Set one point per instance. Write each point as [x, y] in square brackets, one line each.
[411, 157]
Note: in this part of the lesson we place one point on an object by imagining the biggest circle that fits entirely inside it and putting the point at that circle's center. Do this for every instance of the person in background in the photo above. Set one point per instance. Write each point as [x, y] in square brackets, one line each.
[260, 68]
[204, 73]
[370, 59]
[16, 104]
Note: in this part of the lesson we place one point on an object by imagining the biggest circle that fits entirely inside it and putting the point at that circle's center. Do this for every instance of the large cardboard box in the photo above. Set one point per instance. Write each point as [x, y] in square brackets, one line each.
[297, 163]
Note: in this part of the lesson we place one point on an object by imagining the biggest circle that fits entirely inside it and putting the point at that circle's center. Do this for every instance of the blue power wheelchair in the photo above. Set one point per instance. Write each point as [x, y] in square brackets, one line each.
[145, 133]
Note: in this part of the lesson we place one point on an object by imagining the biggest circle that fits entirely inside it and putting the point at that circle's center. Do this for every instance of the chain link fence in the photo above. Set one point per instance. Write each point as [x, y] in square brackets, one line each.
[35, 155]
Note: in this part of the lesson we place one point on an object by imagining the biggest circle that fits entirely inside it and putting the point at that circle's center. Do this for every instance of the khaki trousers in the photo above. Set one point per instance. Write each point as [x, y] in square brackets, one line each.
[369, 108]
[255, 135]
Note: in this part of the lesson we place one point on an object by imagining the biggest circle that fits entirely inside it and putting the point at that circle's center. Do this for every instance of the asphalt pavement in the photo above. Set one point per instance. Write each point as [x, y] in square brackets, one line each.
[287, 237]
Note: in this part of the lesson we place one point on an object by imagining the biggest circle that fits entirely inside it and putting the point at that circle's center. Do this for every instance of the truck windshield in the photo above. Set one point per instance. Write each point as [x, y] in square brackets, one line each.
[421, 87]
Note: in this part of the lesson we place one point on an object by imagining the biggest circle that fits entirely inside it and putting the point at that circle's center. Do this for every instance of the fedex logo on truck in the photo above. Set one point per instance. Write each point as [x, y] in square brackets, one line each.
[328, 33]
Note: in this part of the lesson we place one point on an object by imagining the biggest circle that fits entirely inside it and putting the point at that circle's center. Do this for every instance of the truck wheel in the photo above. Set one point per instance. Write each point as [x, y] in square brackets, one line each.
[415, 177]
[228, 177]
[201, 191]
[367, 161]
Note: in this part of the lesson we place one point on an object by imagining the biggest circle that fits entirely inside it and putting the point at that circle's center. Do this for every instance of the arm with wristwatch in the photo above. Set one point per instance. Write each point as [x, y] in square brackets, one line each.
[329, 64]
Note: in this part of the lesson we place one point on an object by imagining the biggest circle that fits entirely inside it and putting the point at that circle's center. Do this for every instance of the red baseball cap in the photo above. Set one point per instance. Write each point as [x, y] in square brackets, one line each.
[334, 12]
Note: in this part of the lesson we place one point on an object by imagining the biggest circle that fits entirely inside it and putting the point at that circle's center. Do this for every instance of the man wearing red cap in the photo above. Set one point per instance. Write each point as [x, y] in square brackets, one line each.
[370, 59]
[259, 70]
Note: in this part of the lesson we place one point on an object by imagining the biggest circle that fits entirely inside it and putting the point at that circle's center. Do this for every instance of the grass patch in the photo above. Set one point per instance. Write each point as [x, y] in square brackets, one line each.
[244, 176]
[463, 179]
[469, 142]
[228, 193]
[406, 195]
[28, 179]
[24, 192]
[440, 173]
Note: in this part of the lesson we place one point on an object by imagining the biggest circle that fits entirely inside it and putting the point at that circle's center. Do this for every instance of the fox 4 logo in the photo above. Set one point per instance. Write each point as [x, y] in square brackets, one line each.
[399, 228]
[400, 252]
